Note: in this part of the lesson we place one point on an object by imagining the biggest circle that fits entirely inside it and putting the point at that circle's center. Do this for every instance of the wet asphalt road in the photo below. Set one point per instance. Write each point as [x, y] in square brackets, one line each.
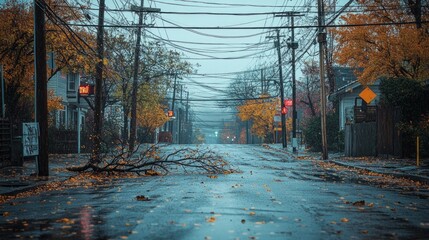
[274, 197]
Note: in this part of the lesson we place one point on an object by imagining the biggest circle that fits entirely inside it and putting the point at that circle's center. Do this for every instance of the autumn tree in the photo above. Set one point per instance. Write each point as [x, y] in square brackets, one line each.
[71, 47]
[151, 112]
[385, 41]
[261, 112]
[309, 89]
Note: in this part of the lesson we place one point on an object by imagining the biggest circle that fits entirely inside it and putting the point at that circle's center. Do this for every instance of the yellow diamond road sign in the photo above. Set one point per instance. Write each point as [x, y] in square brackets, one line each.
[367, 95]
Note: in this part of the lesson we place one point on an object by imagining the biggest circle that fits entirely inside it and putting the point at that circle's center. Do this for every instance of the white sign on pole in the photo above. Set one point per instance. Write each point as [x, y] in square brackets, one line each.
[30, 139]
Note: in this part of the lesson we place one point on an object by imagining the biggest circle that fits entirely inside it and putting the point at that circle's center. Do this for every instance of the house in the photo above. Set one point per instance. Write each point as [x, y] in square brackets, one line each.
[66, 138]
[66, 86]
[347, 94]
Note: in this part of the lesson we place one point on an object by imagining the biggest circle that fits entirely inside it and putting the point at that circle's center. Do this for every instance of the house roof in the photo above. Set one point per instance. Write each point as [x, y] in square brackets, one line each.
[349, 88]
[344, 89]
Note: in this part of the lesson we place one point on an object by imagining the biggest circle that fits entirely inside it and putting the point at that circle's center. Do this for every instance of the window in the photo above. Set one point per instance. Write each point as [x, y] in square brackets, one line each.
[71, 81]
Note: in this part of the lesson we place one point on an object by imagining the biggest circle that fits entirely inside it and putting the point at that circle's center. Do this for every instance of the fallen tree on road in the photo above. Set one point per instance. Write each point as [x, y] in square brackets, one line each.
[157, 161]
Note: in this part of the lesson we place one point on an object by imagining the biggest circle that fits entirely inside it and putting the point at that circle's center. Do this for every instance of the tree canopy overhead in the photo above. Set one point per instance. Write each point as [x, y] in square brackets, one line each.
[391, 40]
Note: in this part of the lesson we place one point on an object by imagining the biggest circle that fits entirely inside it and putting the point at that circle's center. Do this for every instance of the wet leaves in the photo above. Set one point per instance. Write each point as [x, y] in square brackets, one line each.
[211, 219]
[344, 220]
[66, 221]
[142, 198]
[382, 180]
[359, 203]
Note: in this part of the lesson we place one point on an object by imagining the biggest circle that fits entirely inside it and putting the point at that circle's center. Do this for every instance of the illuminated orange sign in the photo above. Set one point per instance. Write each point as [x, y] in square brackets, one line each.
[86, 89]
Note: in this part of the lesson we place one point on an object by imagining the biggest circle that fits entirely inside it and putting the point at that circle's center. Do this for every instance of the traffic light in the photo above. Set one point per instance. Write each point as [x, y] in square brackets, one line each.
[170, 113]
[284, 110]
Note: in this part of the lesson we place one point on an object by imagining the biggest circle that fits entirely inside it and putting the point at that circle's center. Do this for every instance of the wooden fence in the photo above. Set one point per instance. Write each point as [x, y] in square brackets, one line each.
[5, 142]
[63, 141]
[388, 135]
[360, 139]
[374, 135]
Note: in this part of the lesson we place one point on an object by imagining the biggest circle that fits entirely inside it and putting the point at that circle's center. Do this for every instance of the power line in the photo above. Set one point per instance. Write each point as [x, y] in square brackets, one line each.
[249, 28]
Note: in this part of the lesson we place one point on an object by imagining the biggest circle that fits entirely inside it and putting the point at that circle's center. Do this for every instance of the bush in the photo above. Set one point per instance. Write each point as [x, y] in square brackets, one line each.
[313, 133]
[409, 95]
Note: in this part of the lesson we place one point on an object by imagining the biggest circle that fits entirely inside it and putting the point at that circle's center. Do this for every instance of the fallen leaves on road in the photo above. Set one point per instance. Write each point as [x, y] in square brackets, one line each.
[142, 198]
[212, 176]
[85, 180]
[344, 220]
[211, 219]
[65, 220]
[359, 203]
[383, 180]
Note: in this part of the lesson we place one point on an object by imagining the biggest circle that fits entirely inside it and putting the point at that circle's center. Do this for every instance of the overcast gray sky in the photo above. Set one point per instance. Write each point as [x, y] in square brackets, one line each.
[221, 53]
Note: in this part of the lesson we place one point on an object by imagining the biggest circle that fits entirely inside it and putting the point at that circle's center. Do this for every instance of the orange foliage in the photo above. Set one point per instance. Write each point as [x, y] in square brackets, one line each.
[17, 48]
[390, 50]
[261, 112]
[150, 112]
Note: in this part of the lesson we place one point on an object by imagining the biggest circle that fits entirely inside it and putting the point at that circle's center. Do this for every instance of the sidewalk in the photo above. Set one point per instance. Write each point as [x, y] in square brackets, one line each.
[19, 179]
[401, 168]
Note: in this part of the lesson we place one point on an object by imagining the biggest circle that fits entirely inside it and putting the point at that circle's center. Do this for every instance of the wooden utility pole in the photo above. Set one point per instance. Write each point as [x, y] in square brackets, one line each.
[322, 40]
[41, 86]
[172, 106]
[282, 96]
[293, 45]
[98, 116]
[133, 123]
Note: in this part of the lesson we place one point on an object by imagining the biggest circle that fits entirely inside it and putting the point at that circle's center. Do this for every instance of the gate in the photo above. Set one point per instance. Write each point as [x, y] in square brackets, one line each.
[389, 137]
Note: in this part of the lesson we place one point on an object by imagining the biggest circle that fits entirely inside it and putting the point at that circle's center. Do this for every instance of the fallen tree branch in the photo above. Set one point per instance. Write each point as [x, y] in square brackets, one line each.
[151, 159]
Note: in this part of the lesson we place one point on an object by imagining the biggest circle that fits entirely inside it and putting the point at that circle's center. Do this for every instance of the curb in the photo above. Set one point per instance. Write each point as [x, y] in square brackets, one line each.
[398, 175]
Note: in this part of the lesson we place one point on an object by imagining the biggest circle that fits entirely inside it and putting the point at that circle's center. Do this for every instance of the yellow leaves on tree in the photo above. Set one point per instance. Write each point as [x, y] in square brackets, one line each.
[389, 49]
[71, 49]
[54, 102]
[261, 112]
[150, 112]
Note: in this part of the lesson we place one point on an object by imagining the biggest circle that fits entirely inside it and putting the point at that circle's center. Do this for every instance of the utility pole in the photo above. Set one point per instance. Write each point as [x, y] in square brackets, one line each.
[282, 97]
[98, 117]
[3, 106]
[172, 105]
[293, 45]
[133, 122]
[322, 40]
[41, 86]
[188, 139]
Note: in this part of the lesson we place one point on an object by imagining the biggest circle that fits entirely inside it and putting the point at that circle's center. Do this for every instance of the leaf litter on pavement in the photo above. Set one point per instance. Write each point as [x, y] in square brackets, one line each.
[382, 180]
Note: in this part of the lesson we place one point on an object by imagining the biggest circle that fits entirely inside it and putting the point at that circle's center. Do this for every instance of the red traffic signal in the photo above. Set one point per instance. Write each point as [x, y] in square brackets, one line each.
[170, 113]
[288, 102]
[284, 110]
